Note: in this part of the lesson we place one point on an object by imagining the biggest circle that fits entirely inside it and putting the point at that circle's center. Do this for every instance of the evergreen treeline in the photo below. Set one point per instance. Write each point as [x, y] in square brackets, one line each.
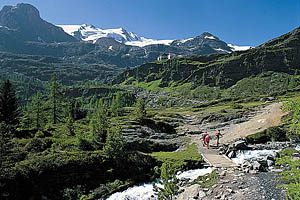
[52, 114]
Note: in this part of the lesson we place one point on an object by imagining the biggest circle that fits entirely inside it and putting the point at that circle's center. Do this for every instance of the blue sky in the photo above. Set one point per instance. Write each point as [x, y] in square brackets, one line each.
[241, 22]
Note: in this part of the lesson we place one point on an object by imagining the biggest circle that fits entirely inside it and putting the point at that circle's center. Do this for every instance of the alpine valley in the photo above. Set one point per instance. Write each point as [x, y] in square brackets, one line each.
[92, 113]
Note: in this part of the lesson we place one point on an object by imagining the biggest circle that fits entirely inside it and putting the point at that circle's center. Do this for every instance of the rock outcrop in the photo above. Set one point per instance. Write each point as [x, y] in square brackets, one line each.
[150, 136]
[26, 19]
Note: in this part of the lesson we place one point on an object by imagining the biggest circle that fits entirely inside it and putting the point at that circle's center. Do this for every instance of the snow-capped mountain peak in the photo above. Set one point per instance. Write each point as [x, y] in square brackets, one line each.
[91, 33]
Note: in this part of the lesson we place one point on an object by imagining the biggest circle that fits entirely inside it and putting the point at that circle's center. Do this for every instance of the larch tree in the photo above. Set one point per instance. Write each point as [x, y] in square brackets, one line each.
[99, 122]
[115, 143]
[37, 105]
[55, 98]
[140, 109]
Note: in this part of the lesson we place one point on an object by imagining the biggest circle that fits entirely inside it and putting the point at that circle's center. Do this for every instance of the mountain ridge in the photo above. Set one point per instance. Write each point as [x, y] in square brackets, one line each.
[90, 33]
[26, 19]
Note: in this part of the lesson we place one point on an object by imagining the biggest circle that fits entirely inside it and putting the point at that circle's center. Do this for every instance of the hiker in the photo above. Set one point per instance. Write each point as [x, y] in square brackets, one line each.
[218, 135]
[203, 138]
[207, 140]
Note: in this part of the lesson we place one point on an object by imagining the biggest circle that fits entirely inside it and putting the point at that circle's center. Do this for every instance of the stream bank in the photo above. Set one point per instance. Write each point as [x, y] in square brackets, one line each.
[234, 184]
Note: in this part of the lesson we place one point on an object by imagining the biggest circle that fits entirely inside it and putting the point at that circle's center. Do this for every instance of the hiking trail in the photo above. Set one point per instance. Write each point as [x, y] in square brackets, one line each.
[262, 119]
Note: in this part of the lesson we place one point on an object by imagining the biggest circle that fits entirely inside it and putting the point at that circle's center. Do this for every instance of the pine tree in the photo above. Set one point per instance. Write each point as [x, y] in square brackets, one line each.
[9, 112]
[37, 110]
[55, 99]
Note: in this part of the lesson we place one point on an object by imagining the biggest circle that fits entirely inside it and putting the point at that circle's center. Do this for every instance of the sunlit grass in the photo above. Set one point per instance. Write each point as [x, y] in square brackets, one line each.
[177, 158]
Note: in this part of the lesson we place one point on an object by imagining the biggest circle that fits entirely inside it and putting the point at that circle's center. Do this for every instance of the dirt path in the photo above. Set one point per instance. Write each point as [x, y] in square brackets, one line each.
[270, 116]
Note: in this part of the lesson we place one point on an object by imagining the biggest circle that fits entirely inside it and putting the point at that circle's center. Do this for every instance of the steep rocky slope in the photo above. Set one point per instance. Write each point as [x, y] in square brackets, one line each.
[26, 19]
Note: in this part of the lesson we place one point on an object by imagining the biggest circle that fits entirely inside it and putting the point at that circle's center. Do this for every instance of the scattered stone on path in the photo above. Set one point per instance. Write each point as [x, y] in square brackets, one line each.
[223, 173]
[201, 194]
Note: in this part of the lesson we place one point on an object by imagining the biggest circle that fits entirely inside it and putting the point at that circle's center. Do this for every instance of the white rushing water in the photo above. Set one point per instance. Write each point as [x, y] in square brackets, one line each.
[145, 191]
[142, 192]
[252, 154]
[194, 174]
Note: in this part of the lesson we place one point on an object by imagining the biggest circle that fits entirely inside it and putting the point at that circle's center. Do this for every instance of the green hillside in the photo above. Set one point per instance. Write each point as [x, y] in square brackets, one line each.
[265, 69]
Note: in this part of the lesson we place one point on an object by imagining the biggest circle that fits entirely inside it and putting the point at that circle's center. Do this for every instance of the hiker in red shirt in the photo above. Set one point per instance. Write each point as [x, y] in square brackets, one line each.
[207, 140]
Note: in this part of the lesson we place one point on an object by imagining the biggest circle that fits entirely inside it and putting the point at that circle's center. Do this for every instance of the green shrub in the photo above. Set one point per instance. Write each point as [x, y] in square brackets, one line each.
[276, 134]
[287, 152]
[206, 181]
[105, 189]
[36, 145]
[206, 93]
[169, 180]
[270, 134]
[291, 175]
[72, 193]
[129, 81]
[40, 134]
[84, 144]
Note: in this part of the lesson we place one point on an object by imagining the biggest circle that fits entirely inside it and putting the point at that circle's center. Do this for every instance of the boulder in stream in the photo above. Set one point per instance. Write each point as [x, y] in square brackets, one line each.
[240, 145]
[257, 166]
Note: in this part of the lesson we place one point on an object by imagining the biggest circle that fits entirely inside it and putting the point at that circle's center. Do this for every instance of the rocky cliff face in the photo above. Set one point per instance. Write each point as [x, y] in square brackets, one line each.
[26, 19]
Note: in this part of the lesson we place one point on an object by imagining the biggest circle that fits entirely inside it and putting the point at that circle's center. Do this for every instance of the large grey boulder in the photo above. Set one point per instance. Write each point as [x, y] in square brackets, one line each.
[191, 192]
[240, 145]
